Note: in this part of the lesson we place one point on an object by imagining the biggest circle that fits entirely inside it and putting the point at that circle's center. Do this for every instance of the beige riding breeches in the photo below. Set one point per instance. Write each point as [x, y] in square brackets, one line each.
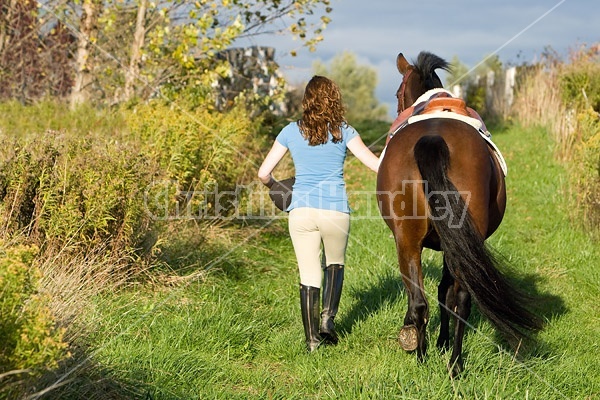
[308, 228]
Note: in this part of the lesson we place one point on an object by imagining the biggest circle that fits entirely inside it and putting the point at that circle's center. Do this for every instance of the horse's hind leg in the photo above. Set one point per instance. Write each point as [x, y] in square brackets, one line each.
[413, 333]
[462, 312]
[446, 303]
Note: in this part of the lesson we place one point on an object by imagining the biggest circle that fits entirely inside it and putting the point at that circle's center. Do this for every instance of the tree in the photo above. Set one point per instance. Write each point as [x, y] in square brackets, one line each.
[173, 45]
[136, 50]
[458, 73]
[83, 64]
[357, 84]
[120, 49]
[59, 45]
[21, 66]
[7, 11]
[35, 52]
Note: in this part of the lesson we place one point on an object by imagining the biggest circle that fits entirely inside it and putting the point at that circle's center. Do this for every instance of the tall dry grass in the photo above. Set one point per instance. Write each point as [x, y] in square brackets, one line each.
[564, 98]
[538, 102]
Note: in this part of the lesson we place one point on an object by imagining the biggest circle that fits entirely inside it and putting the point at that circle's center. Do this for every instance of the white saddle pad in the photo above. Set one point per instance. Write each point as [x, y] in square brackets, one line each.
[474, 122]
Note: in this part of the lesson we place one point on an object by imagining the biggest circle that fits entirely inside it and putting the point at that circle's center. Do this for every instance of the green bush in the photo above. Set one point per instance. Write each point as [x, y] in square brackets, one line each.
[30, 337]
[580, 80]
[580, 87]
[475, 98]
[67, 192]
[76, 189]
[198, 153]
[585, 167]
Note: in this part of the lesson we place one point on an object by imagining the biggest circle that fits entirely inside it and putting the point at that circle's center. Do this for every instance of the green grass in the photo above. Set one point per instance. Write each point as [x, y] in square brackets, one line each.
[235, 332]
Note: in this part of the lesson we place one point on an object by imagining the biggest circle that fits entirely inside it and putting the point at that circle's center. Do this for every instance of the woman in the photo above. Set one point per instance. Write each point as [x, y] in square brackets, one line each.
[319, 210]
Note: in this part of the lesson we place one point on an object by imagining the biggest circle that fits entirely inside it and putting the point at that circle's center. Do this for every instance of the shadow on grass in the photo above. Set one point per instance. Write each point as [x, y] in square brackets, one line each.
[192, 254]
[81, 378]
[368, 300]
[389, 288]
[546, 306]
[231, 251]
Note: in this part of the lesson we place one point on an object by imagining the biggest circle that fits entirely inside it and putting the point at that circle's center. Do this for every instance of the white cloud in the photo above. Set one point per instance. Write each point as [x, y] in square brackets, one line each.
[376, 31]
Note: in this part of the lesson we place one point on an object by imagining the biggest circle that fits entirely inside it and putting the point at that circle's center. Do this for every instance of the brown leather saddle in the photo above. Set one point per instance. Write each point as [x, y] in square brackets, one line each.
[448, 104]
[438, 102]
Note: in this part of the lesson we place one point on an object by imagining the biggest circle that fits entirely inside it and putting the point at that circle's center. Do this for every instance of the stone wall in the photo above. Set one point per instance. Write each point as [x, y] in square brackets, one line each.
[252, 69]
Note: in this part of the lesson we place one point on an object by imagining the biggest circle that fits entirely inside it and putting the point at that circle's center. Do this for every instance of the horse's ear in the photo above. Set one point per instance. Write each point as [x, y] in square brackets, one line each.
[402, 64]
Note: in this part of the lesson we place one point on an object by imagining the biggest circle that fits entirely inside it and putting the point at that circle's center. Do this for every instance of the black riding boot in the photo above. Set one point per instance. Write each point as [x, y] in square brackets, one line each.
[332, 291]
[309, 306]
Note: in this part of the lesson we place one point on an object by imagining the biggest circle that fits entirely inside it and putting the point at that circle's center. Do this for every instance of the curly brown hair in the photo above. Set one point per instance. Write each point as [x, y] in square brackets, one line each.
[323, 111]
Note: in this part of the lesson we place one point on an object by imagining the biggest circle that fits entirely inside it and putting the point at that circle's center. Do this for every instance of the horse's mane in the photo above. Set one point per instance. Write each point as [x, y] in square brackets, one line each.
[426, 65]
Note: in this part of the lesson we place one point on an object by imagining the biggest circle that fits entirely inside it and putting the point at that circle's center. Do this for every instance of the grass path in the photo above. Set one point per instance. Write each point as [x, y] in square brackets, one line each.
[236, 333]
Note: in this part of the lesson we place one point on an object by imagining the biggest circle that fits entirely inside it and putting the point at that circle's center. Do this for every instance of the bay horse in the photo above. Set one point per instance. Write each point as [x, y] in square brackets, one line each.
[439, 186]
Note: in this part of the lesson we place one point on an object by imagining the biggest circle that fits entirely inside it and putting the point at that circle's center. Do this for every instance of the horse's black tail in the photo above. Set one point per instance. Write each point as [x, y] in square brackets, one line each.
[466, 255]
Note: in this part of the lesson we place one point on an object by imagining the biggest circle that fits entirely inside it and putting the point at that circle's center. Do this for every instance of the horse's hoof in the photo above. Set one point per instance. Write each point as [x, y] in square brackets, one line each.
[408, 338]
[443, 345]
[455, 369]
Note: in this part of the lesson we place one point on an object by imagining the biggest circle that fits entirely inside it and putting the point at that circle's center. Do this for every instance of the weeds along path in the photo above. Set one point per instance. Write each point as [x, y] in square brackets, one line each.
[237, 331]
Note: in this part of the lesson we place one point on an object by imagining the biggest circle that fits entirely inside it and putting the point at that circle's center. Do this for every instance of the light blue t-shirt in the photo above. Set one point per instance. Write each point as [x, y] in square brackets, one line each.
[319, 169]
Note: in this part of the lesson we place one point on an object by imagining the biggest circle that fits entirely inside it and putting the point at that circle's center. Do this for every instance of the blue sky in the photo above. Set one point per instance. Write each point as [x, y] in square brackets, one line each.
[377, 30]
